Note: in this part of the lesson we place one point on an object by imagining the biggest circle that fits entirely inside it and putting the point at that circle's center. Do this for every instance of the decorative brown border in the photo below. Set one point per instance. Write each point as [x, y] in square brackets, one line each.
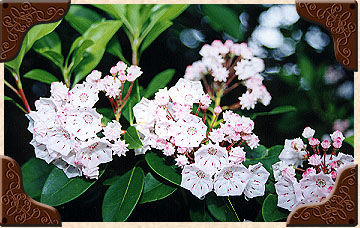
[16, 207]
[340, 208]
[17, 17]
[340, 19]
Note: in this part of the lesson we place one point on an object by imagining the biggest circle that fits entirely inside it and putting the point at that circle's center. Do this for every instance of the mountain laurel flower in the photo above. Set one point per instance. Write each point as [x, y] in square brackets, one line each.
[337, 134]
[217, 110]
[314, 142]
[308, 133]
[315, 160]
[133, 72]
[325, 144]
[67, 129]
[317, 179]
[208, 158]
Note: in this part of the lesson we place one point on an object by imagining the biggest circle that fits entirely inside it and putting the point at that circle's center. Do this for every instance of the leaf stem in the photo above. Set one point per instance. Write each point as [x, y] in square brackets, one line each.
[11, 87]
[233, 209]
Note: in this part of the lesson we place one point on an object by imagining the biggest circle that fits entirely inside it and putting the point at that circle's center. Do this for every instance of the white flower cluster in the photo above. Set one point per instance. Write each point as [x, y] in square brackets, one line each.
[66, 126]
[318, 179]
[211, 158]
[223, 62]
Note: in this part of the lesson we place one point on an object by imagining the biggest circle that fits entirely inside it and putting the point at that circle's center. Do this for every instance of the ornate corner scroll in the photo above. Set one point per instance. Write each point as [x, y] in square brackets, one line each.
[340, 19]
[16, 207]
[17, 17]
[340, 208]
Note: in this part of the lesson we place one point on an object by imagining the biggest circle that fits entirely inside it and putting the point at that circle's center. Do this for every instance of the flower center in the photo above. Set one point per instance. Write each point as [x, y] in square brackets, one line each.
[321, 183]
[191, 131]
[228, 175]
[212, 151]
[200, 174]
[84, 97]
[88, 119]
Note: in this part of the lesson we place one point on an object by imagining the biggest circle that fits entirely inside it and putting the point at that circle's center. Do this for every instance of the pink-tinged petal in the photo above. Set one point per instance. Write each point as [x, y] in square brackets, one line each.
[196, 180]
[231, 180]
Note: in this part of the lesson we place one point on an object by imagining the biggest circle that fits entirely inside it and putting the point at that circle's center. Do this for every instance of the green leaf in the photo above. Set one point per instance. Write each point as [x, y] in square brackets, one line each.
[114, 48]
[34, 174]
[108, 112]
[199, 213]
[81, 18]
[257, 152]
[161, 167]
[117, 11]
[220, 208]
[50, 47]
[275, 111]
[270, 158]
[222, 18]
[34, 34]
[100, 33]
[350, 140]
[6, 98]
[306, 70]
[49, 42]
[122, 196]
[111, 180]
[159, 82]
[270, 211]
[158, 28]
[59, 189]
[79, 53]
[155, 190]
[127, 112]
[54, 57]
[41, 75]
[132, 138]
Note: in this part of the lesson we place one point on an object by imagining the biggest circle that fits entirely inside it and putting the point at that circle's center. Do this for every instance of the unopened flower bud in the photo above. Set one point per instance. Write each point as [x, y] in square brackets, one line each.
[217, 110]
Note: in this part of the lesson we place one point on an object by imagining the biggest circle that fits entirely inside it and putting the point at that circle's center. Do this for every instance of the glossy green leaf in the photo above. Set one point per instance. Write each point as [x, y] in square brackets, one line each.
[163, 168]
[100, 33]
[158, 28]
[111, 180]
[258, 152]
[270, 211]
[132, 138]
[270, 158]
[220, 208]
[127, 112]
[275, 111]
[49, 42]
[122, 196]
[6, 98]
[81, 18]
[350, 140]
[222, 18]
[34, 34]
[117, 11]
[41, 75]
[155, 190]
[158, 82]
[199, 212]
[108, 112]
[50, 47]
[79, 53]
[34, 174]
[114, 48]
[59, 189]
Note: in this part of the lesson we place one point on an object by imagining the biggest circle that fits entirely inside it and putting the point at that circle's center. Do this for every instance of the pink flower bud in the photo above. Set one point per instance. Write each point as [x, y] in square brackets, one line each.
[333, 174]
[325, 144]
[314, 142]
[308, 133]
[217, 110]
[334, 165]
[330, 189]
[308, 172]
[337, 143]
[113, 71]
[315, 160]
